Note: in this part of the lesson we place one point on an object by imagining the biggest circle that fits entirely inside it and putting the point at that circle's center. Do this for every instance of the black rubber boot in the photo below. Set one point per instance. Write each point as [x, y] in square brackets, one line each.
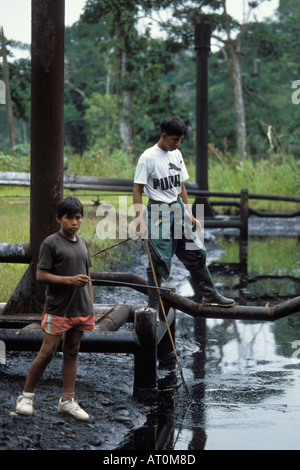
[210, 295]
[153, 294]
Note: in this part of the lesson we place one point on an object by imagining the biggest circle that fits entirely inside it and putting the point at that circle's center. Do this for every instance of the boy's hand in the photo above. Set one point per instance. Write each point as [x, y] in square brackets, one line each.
[142, 230]
[80, 280]
[197, 227]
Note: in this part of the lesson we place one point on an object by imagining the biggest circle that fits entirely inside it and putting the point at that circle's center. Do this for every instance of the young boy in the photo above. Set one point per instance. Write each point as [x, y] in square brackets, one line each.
[160, 174]
[63, 265]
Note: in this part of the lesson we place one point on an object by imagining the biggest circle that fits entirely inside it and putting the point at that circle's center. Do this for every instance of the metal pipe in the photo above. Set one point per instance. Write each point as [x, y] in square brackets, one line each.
[15, 253]
[96, 341]
[125, 185]
[238, 312]
[114, 318]
[202, 47]
[47, 118]
[47, 128]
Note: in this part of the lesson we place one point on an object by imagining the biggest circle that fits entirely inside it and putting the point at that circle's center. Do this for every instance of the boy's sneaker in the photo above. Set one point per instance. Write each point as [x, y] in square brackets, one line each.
[72, 408]
[25, 404]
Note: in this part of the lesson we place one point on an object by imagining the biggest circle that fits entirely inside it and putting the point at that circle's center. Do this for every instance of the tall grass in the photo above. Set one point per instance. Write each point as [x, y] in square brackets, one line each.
[276, 175]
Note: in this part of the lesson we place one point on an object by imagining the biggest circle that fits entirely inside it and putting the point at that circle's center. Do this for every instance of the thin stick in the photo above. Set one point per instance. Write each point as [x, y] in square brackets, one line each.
[165, 317]
[112, 246]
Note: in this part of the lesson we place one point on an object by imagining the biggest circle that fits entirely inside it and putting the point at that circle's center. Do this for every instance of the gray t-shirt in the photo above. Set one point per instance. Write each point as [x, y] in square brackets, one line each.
[62, 257]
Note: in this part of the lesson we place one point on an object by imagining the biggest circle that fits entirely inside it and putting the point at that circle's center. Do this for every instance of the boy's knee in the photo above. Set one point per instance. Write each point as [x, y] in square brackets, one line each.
[45, 355]
[70, 351]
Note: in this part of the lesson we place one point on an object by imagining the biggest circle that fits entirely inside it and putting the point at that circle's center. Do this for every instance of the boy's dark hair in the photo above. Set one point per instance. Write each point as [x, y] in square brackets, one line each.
[69, 206]
[173, 125]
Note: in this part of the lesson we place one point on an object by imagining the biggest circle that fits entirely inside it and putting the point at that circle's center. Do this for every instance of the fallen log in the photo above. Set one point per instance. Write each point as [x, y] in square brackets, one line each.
[196, 310]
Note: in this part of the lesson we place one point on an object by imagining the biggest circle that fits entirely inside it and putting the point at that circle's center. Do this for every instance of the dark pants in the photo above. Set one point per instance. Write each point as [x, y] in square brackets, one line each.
[191, 259]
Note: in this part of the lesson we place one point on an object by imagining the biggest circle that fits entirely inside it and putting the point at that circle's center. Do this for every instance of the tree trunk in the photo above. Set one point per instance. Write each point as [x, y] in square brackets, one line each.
[125, 124]
[235, 71]
[9, 108]
[233, 47]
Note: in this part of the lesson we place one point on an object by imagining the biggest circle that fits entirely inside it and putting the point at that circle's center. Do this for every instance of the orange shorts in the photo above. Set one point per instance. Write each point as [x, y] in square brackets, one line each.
[55, 325]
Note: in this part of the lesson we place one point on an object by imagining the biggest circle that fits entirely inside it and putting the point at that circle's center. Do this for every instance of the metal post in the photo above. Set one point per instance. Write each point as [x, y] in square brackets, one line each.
[47, 125]
[145, 373]
[244, 214]
[202, 47]
[47, 118]
[47, 140]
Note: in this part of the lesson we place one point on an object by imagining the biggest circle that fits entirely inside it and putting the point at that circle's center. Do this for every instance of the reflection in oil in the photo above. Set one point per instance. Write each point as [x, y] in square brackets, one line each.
[243, 376]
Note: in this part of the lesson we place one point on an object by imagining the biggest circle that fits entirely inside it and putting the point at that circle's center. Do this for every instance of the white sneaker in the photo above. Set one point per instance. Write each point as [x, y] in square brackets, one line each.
[72, 408]
[25, 404]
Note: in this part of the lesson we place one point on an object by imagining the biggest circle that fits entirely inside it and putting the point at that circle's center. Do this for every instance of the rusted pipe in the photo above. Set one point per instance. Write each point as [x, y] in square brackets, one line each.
[74, 181]
[237, 312]
[96, 341]
[15, 253]
[114, 319]
[47, 118]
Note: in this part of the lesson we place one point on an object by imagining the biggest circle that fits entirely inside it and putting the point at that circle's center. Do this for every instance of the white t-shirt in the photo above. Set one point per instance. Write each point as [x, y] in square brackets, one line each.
[162, 174]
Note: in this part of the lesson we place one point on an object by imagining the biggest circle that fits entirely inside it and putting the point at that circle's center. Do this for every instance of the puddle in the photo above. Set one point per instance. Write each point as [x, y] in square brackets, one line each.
[243, 376]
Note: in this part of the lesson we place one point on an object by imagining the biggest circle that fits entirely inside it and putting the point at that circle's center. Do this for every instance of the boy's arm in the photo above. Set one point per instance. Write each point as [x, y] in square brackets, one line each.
[91, 291]
[185, 200]
[45, 277]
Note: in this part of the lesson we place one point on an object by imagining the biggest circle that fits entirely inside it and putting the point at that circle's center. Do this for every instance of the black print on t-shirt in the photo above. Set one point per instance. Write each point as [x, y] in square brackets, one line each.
[172, 166]
[167, 182]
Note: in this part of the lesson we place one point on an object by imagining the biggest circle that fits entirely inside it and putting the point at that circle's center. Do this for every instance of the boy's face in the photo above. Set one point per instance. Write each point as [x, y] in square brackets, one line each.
[170, 142]
[70, 225]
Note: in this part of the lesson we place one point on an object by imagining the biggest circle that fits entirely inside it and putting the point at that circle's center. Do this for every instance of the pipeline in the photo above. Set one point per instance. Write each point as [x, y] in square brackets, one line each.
[96, 341]
[196, 310]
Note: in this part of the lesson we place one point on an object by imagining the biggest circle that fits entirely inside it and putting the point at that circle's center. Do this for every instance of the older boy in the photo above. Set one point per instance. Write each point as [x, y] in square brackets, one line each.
[160, 174]
[63, 265]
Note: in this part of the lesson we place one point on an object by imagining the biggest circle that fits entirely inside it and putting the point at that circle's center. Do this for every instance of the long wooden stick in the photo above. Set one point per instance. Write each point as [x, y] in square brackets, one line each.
[165, 317]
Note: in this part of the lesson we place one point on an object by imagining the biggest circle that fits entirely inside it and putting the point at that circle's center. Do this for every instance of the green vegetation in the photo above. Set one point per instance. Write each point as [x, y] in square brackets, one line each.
[15, 228]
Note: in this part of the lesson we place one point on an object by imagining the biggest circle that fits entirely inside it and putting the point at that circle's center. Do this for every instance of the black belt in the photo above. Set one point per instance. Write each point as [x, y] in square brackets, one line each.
[162, 202]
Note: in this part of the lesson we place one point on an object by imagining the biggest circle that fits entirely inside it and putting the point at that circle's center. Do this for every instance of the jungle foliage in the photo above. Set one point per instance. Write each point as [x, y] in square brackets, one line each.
[121, 80]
